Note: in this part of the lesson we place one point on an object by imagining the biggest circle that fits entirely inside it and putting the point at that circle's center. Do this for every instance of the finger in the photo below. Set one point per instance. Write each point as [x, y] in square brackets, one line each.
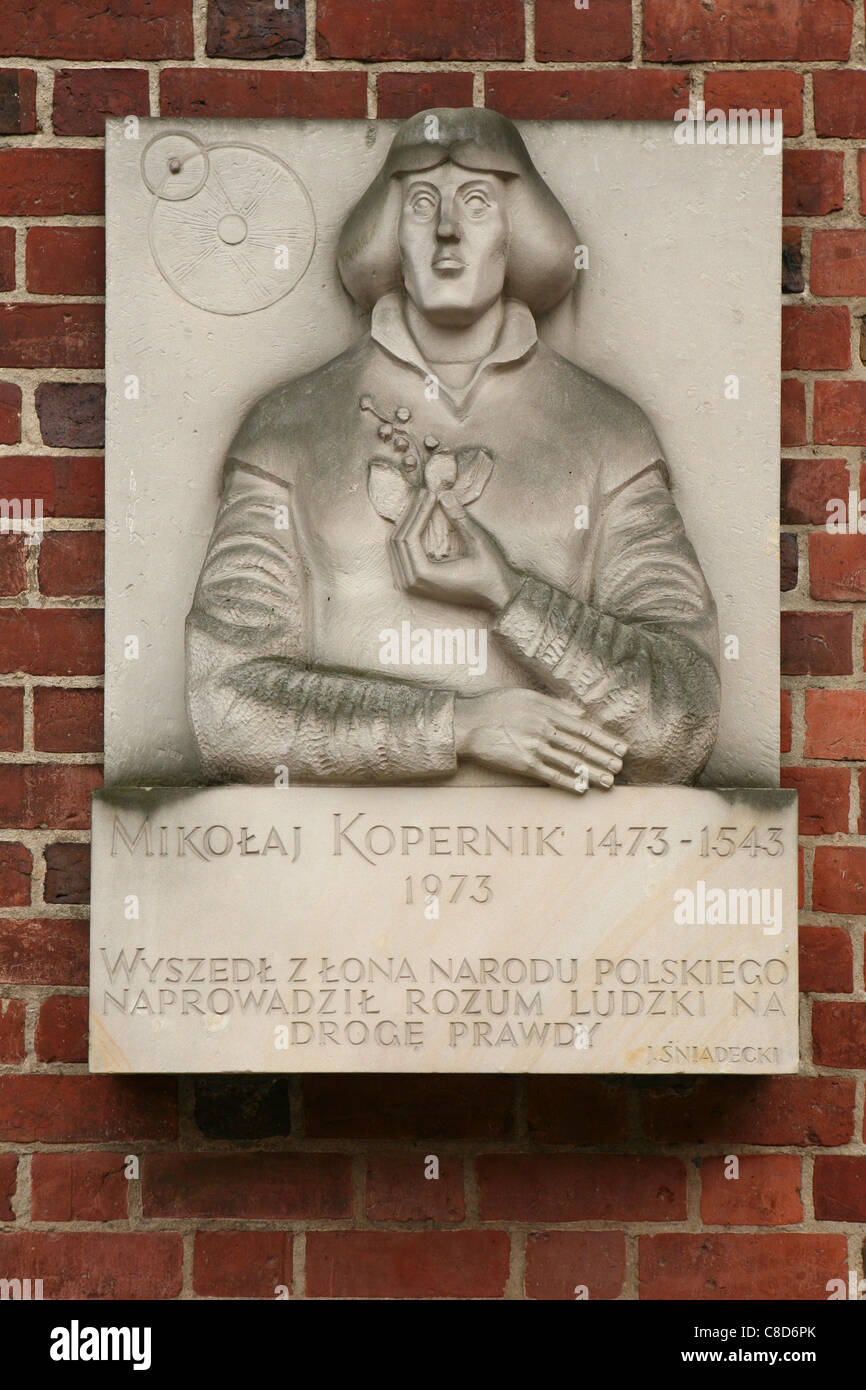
[575, 746]
[410, 543]
[467, 527]
[590, 768]
[569, 722]
[554, 778]
[403, 550]
[552, 771]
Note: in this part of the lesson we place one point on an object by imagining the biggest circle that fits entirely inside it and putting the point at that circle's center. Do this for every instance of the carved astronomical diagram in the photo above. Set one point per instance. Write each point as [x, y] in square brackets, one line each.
[232, 228]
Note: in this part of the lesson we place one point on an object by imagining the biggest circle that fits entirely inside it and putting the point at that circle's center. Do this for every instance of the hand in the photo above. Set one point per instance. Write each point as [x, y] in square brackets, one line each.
[537, 735]
[480, 578]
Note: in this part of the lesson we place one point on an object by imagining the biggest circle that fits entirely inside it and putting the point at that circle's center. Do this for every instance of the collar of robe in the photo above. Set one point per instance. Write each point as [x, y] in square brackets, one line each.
[517, 337]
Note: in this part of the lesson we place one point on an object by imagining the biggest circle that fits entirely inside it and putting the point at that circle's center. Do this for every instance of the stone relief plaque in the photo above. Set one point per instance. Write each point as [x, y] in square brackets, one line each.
[427, 525]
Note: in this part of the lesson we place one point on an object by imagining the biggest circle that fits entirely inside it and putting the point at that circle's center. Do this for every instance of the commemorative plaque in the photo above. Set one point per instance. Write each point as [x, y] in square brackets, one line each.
[442, 603]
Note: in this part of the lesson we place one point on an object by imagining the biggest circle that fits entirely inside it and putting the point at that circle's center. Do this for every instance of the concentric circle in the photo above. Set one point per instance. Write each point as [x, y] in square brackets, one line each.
[174, 167]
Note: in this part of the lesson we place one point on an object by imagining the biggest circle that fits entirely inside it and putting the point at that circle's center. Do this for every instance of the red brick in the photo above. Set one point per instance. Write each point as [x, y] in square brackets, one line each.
[765, 1192]
[242, 1264]
[376, 31]
[223, 92]
[8, 1184]
[813, 182]
[71, 414]
[72, 563]
[11, 718]
[817, 644]
[48, 951]
[580, 1187]
[558, 1262]
[87, 1109]
[84, 97]
[96, 1264]
[39, 794]
[576, 1110]
[793, 281]
[312, 1186]
[397, 1189]
[51, 183]
[808, 485]
[815, 339]
[7, 258]
[777, 1266]
[12, 1049]
[785, 717]
[793, 413]
[564, 34]
[840, 412]
[248, 29]
[61, 1032]
[840, 104]
[66, 260]
[67, 721]
[13, 557]
[413, 1108]
[67, 873]
[752, 1110]
[838, 262]
[766, 91]
[88, 30]
[835, 724]
[837, 566]
[407, 1264]
[52, 335]
[823, 797]
[79, 1187]
[826, 961]
[51, 642]
[839, 878]
[839, 1187]
[861, 178]
[839, 1033]
[746, 30]
[623, 94]
[17, 101]
[861, 787]
[16, 866]
[64, 486]
[10, 413]
[789, 561]
[401, 94]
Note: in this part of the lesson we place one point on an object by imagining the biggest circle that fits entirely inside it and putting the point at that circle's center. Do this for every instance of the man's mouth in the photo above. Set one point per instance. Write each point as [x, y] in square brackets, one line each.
[447, 261]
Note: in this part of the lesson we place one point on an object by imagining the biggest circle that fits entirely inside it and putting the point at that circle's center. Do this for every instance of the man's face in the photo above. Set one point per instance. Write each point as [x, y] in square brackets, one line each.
[453, 238]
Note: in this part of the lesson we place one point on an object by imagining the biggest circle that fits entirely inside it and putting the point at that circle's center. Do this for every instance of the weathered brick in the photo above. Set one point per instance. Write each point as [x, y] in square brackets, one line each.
[67, 721]
[558, 1262]
[40, 794]
[815, 339]
[817, 644]
[85, 97]
[839, 879]
[777, 1266]
[242, 1264]
[89, 31]
[580, 1187]
[61, 1031]
[96, 1264]
[789, 561]
[79, 1187]
[52, 335]
[407, 1264]
[837, 566]
[623, 94]
[8, 1185]
[840, 103]
[576, 1110]
[840, 412]
[71, 414]
[826, 961]
[7, 258]
[793, 279]
[401, 94]
[749, 31]
[377, 31]
[67, 873]
[769, 1110]
[16, 866]
[72, 563]
[785, 720]
[835, 724]
[808, 485]
[793, 415]
[753, 89]
[408, 1107]
[48, 951]
[51, 183]
[87, 1109]
[311, 1186]
[764, 1192]
[565, 34]
[823, 795]
[838, 262]
[839, 1028]
[65, 260]
[223, 92]
[249, 29]
[13, 556]
[10, 413]
[64, 486]
[813, 182]
[242, 1107]
[12, 1014]
[398, 1190]
[17, 101]
[839, 1187]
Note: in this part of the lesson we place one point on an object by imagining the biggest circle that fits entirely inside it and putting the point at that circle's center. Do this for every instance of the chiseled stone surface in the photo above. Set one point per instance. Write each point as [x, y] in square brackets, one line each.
[644, 930]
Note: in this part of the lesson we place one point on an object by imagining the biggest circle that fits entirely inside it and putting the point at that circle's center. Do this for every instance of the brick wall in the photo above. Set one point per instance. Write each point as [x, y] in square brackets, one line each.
[318, 1184]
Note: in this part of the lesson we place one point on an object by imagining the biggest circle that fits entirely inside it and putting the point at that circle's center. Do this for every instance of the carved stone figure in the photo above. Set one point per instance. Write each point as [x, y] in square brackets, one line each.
[449, 553]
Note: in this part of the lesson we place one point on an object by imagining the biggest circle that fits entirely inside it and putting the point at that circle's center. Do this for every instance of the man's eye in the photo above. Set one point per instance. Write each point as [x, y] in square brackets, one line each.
[476, 204]
[423, 205]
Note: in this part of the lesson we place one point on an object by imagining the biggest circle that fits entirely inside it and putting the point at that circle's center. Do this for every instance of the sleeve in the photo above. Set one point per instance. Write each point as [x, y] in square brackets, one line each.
[254, 702]
[640, 655]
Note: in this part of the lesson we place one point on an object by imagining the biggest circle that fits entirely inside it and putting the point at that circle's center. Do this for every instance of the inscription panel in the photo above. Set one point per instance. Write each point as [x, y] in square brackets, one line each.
[646, 930]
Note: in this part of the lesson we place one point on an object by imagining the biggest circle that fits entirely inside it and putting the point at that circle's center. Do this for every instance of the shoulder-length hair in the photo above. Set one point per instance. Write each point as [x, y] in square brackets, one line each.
[540, 269]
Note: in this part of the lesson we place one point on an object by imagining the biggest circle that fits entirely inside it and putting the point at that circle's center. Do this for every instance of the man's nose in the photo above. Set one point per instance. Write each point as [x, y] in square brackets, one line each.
[448, 227]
